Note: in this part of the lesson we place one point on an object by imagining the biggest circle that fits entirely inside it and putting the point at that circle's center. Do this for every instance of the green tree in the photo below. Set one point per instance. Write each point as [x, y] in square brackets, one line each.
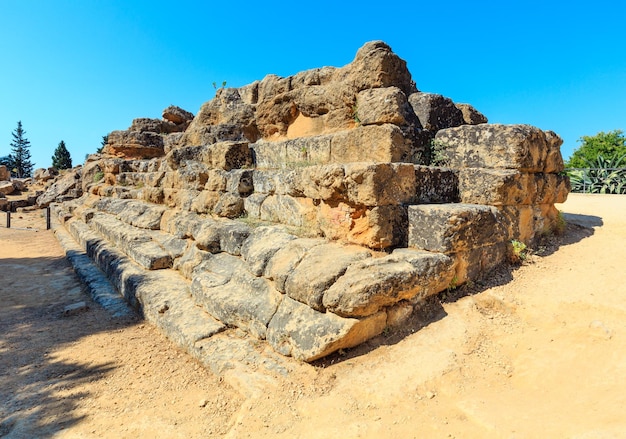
[103, 143]
[20, 156]
[608, 145]
[61, 158]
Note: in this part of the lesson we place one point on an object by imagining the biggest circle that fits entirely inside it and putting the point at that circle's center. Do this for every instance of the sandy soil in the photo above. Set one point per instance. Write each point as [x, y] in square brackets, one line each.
[539, 352]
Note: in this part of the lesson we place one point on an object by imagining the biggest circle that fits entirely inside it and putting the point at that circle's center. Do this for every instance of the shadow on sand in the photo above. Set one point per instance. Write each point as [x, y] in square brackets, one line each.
[37, 396]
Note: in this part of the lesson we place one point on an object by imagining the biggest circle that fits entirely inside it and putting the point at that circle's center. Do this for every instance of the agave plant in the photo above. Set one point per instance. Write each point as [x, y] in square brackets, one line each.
[602, 176]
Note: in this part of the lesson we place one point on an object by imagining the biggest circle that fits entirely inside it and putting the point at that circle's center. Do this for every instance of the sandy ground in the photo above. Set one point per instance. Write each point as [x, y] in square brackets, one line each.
[540, 352]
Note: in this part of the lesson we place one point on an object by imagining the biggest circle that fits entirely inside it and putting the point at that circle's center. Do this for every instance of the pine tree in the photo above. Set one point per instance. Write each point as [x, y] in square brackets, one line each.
[61, 158]
[20, 157]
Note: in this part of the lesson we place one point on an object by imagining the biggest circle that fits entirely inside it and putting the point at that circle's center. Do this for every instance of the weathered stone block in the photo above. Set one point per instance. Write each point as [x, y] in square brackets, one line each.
[376, 106]
[520, 147]
[380, 227]
[320, 267]
[288, 210]
[323, 182]
[524, 223]
[235, 296]
[135, 144]
[181, 224]
[373, 143]
[305, 334]
[450, 228]
[261, 245]
[435, 112]
[285, 260]
[252, 205]
[232, 235]
[373, 284]
[499, 187]
[435, 185]
[379, 184]
[205, 202]
[191, 258]
[471, 116]
[229, 206]
[476, 263]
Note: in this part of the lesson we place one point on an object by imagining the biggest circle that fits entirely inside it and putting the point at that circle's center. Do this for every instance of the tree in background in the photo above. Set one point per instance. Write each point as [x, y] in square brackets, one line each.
[61, 158]
[611, 146]
[103, 143]
[20, 157]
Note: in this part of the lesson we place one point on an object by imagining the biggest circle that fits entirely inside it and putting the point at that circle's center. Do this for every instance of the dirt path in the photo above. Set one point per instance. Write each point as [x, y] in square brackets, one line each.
[542, 354]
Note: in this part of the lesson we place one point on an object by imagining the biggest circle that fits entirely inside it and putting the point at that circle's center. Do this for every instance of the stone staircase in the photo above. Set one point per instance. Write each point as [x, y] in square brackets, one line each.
[313, 259]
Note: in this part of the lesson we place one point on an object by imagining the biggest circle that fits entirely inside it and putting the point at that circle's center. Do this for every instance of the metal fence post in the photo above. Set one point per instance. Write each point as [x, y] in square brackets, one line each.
[48, 218]
[9, 219]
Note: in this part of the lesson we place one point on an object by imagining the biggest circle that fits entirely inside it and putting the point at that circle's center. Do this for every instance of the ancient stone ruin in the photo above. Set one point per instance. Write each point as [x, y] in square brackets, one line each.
[304, 212]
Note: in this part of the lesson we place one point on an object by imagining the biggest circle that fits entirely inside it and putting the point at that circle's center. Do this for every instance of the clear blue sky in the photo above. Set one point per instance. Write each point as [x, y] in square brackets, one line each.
[76, 70]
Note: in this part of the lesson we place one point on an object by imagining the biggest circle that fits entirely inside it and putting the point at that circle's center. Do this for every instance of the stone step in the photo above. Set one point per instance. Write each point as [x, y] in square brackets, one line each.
[476, 236]
[163, 298]
[255, 278]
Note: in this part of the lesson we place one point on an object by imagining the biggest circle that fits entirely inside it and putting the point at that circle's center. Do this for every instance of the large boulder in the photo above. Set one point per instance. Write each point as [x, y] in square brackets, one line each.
[6, 187]
[68, 182]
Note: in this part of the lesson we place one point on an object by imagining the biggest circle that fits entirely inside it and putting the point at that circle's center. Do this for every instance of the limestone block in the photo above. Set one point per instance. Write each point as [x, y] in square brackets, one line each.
[152, 195]
[228, 155]
[208, 236]
[181, 224]
[380, 184]
[375, 66]
[379, 227]
[554, 159]
[229, 206]
[216, 180]
[305, 334]
[142, 215]
[252, 205]
[305, 151]
[471, 116]
[292, 153]
[435, 112]
[374, 143]
[239, 181]
[525, 222]
[232, 235]
[191, 258]
[135, 144]
[476, 263]
[520, 147]
[435, 185]
[285, 260]
[499, 187]
[320, 267]
[283, 209]
[261, 245]
[450, 228]
[241, 299]
[205, 202]
[176, 247]
[323, 182]
[373, 284]
[137, 244]
[177, 115]
[376, 106]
